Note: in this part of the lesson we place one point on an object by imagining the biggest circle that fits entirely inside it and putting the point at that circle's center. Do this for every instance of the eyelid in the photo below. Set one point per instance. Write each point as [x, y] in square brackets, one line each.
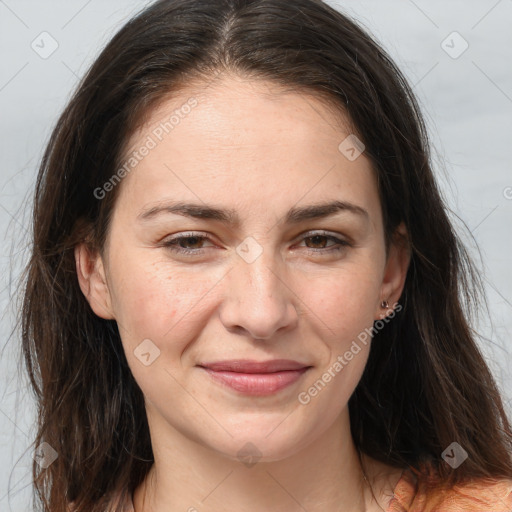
[184, 235]
[322, 232]
[340, 242]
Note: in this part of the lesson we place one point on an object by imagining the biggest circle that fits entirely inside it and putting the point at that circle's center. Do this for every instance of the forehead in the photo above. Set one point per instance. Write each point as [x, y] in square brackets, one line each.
[237, 141]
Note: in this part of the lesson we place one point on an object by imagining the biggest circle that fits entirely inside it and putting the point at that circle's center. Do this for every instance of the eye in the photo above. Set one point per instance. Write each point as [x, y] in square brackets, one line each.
[193, 243]
[319, 241]
[177, 243]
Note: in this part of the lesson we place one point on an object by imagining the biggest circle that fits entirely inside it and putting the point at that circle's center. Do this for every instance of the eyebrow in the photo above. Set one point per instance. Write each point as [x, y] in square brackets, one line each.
[295, 215]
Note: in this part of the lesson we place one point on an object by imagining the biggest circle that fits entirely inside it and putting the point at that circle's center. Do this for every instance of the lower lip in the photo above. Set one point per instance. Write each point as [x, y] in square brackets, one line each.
[257, 383]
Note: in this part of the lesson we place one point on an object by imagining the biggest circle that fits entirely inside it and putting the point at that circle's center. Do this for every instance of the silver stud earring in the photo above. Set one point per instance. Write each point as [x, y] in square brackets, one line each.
[384, 304]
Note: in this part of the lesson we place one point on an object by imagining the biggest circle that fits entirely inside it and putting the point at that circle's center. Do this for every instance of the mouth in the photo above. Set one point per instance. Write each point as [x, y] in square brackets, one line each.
[254, 377]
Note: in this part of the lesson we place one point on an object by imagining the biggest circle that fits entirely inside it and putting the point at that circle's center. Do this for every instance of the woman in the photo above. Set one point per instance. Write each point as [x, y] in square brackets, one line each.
[245, 292]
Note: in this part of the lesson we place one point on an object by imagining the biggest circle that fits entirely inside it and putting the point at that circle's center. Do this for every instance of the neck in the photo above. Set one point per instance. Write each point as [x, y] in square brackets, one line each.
[324, 476]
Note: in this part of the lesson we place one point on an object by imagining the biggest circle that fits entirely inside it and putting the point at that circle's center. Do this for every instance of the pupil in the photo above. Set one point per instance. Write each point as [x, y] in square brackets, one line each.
[193, 238]
[315, 239]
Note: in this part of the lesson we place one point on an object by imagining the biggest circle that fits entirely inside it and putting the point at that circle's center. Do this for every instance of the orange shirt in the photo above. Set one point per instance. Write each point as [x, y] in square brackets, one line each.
[482, 495]
[477, 496]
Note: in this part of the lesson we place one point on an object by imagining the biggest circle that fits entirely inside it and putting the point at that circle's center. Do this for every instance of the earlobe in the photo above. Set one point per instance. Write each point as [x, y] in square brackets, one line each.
[92, 279]
[395, 271]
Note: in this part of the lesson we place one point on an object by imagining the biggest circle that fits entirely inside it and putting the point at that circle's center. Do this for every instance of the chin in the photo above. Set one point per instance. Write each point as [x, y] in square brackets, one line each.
[257, 444]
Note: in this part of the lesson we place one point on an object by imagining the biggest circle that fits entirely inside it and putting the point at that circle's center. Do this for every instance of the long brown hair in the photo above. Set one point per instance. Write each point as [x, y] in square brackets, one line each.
[426, 383]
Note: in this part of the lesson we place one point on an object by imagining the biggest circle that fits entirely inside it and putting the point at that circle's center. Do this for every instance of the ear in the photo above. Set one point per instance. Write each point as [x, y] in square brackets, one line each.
[92, 279]
[395, 272]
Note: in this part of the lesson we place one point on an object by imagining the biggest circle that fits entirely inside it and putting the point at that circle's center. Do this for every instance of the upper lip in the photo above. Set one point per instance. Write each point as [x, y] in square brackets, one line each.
[251, 366]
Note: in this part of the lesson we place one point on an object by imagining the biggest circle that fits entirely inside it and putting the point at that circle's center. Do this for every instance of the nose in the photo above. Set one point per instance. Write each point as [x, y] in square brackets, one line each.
[258, 300]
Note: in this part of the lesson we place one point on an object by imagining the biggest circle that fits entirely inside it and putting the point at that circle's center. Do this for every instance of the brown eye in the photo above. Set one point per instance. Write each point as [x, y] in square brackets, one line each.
[317, 243]
[187, 244]
[190, 240]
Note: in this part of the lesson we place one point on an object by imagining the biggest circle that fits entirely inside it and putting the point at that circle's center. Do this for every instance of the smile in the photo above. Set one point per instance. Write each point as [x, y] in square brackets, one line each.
[253, 378]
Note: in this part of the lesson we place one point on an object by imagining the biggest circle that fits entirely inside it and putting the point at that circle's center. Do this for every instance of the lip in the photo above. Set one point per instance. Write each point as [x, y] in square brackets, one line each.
[256, 377]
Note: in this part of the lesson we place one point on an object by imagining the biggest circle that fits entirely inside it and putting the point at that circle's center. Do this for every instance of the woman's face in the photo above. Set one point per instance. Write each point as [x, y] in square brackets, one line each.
[259, 269]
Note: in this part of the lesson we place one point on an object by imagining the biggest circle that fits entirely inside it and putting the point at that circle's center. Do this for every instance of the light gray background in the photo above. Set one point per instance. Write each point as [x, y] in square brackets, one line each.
[467, 102]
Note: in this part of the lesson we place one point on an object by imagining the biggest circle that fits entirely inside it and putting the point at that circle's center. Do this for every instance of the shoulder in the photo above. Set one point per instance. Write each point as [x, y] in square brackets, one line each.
[480, 495]
[477, 495]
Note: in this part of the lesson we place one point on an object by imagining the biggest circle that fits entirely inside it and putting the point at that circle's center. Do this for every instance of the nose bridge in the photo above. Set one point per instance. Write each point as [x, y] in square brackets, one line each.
[258, 271]
[257, 298]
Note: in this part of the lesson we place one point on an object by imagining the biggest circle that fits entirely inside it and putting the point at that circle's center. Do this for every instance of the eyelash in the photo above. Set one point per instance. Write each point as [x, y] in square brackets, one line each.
[172, 244]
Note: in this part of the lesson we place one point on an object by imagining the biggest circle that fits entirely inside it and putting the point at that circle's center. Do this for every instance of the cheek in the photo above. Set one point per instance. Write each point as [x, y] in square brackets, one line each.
[350, 310]
[158, 301]
[347, 308]
[344, 301]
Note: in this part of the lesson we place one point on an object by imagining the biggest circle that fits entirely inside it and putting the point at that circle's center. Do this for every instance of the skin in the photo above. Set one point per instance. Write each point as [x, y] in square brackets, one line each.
[252, 148]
